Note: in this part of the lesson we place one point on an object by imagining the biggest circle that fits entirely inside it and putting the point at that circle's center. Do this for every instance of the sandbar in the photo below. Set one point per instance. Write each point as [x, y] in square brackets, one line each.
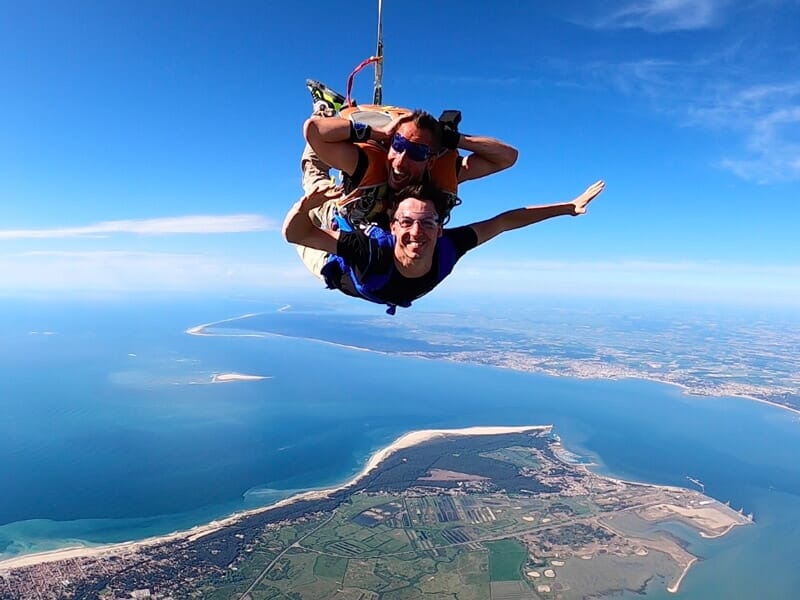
[228, 377]
[674, 587]
[200, 329]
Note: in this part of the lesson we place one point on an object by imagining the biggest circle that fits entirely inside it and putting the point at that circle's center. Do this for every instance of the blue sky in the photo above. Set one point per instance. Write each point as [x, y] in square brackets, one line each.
[153, 146]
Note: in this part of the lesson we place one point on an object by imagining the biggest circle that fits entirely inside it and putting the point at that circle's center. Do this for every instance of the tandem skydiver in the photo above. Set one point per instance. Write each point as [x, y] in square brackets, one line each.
[400, 148]
[398, 266]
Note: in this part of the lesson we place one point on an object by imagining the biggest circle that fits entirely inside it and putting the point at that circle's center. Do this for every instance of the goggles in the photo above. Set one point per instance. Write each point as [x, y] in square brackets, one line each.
[414, 150]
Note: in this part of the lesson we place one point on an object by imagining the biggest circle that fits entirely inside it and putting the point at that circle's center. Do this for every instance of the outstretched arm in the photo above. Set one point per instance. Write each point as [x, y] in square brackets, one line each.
[522, 217]
[489, 155]
[298, 228]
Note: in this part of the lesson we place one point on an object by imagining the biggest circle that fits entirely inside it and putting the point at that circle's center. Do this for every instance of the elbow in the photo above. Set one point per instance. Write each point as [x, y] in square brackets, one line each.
[287, 233]
[289, 230]
[291, 235]
[510, 157]
[310, 129]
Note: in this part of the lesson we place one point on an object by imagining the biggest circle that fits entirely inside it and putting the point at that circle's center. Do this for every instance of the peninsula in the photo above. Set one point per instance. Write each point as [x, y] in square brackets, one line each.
[491, 511]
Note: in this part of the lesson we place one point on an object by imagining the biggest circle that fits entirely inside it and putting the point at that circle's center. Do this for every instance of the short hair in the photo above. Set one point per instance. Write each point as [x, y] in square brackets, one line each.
[426, 191]
[426, 121]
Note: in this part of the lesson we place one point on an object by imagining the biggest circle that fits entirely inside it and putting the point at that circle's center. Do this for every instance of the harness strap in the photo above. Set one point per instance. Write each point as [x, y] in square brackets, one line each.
[350, 77]
[335, 264]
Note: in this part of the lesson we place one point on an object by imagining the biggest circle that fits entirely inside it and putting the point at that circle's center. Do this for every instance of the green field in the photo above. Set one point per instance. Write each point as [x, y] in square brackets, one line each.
[506, 558]
[331, 567]
[427, 543]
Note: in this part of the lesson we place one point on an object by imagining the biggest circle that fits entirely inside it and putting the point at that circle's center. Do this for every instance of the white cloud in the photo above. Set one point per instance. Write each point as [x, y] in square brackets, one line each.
[769, 117]
[738, 80]
[702, 94]
[133, 272]
[728, 104]
[659, 16]
[194, 224]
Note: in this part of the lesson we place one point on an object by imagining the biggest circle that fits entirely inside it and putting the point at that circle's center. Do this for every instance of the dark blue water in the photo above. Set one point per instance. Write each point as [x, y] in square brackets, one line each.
[110, 431]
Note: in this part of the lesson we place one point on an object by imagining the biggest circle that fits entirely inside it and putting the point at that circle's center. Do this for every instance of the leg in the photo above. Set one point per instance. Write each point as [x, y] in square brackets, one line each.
[313, 259]
[327, 102]
[316, 173]
[316, 176]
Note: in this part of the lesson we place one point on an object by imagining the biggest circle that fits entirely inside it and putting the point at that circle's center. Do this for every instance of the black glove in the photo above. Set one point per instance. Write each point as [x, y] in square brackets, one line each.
[448, 121]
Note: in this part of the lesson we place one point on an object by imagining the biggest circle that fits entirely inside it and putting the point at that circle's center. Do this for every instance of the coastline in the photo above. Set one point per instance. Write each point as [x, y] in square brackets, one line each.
[37, 558]
[689, 392]
[673, 587]
[200, 331]
[406, 440]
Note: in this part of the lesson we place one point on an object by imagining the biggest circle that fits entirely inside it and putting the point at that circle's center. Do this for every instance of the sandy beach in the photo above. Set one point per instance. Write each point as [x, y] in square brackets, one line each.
[228, 377]
[27, 560]
[405, 441]
[200, 329]
[712, 521]
[674, 587]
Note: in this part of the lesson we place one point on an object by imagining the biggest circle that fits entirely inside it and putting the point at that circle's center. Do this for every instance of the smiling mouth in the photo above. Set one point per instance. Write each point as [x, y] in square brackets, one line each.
[415, 244]
[397, 176]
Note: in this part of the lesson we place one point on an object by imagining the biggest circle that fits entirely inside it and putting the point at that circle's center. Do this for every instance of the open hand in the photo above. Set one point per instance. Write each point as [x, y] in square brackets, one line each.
[383, 135]
[581, 202]
[322, 192]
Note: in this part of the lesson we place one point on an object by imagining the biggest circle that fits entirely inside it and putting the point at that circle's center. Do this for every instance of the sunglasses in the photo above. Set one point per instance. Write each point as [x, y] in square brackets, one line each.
[415, 151]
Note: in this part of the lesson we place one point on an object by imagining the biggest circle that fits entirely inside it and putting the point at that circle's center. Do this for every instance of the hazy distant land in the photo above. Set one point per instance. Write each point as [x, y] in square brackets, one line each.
[482, 510]
[750, 359]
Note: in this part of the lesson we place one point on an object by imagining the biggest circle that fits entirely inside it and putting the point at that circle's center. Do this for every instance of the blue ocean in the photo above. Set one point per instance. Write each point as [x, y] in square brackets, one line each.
[111, 429]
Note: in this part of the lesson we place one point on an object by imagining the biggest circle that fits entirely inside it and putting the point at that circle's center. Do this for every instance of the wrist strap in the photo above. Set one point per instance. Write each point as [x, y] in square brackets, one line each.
[360, 132]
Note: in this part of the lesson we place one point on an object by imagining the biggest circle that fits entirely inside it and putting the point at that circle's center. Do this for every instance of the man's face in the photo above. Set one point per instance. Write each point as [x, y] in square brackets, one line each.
[416, 227]
[408, 159]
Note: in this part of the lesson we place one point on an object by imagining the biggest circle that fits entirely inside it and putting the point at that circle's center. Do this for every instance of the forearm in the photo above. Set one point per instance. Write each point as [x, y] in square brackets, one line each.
[329, 137]
[488, 155]
[326, 130]
[520, 217]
